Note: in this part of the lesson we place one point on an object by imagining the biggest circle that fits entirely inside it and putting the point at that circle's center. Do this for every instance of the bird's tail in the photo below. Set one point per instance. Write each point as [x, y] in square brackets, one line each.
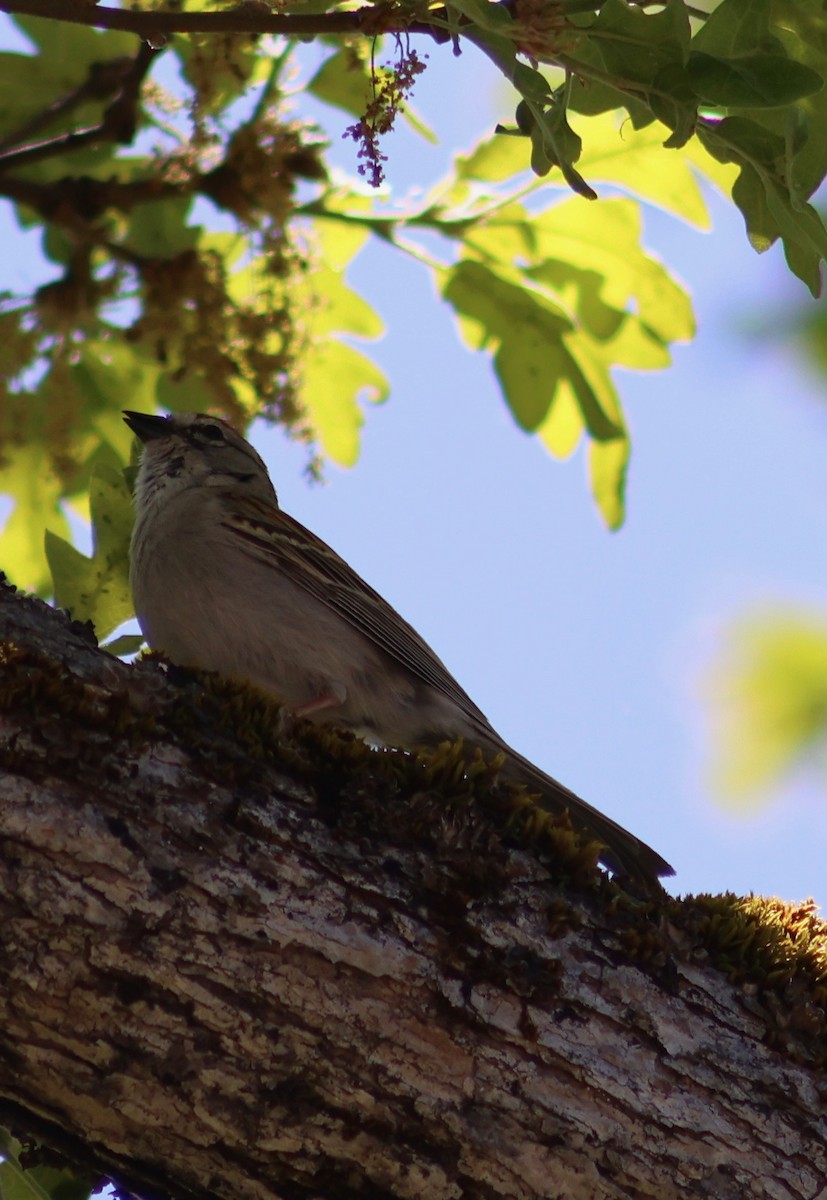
[624, 854]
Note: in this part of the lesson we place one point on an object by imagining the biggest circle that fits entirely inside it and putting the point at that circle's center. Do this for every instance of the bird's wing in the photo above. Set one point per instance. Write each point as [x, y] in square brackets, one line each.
[284, 545]
[288, 547]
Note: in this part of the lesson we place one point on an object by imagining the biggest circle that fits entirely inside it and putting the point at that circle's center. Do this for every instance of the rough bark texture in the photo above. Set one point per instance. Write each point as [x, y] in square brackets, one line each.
[220, 973]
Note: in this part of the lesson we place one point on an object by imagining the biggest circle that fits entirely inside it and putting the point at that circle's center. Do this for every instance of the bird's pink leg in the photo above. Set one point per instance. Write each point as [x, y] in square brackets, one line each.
[334, 698]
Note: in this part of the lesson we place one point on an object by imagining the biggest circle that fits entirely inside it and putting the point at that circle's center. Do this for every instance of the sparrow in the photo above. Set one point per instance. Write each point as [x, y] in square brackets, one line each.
[224, 580]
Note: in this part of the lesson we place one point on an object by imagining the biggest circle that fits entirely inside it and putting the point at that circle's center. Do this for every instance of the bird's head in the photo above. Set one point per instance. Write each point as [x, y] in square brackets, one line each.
[187, 450]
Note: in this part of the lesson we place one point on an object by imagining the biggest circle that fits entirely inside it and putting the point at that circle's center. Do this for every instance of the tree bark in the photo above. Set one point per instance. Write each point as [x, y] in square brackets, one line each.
[243, 958]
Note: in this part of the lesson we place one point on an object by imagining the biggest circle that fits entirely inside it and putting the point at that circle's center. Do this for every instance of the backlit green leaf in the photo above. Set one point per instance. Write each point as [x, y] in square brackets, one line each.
[336, 377]
[608, 464]
[29, 477]
[770, 701]
[97, 589]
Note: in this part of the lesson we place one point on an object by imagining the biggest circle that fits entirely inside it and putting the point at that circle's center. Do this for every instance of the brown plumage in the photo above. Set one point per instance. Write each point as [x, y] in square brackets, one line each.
[226, 581]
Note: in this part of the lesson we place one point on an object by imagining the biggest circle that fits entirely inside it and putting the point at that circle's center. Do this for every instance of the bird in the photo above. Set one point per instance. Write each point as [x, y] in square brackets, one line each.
[224, 580]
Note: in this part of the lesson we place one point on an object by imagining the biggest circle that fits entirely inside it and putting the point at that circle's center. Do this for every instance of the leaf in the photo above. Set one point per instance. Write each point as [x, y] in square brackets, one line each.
[791, 28]
[522, 327]
[343, 81]
[482, 15]
[97, 588]
[494, 159]
[762, 193]
[75, 47]
[125, 645]
[108, 375]
[752, 81]
[341, 239]
[159, 229]
[18, 344]
[631, 45]
[613, 152]
[636, 160]
[187, 393]
[596, 252]
[737, 27]
[608, 464]
[562, 427]
[335, 376]
[770, 700]
[36, 1182]
[29, 477]
[31, 83]
[560, 298]
[338, 308]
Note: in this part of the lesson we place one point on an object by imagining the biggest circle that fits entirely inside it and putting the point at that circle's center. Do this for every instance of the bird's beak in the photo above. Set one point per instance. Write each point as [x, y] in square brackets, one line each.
[146, 426]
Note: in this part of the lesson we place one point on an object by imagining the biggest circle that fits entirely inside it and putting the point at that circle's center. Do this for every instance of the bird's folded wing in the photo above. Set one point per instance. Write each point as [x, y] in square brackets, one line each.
[289, 548]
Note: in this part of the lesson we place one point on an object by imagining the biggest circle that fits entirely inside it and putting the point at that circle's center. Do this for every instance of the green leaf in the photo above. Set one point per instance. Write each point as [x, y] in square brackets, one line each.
[337, 308]
[340, 240]
[32, 83]
[613, 152]
[183, 393]
[791, 28]
[494, 159]
[97, 589]
[572, 295]
[28, 475]
[585, 252]
[159, 229]
[18, 345]
[522, 327]
[36, 1182]
[608, 464]
[343, 81]
[108, 375]
[752, 81]
[770, 700]
[562, 427]
[73, 48]
[482, 15]
[633, 46]
[636, 160]
[557, 142]
[125, 645]
[737, 27]
[674, 101]
[763, 194]
[335, 377]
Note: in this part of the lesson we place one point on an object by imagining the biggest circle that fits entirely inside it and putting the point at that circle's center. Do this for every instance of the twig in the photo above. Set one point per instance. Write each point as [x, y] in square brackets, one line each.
[117, 124]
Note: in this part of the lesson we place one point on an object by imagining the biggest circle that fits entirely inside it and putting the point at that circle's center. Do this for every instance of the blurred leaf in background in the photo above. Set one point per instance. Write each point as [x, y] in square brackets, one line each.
[768, 703]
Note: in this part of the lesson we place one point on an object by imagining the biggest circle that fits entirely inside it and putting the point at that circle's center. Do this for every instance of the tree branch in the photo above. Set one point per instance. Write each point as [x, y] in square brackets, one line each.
[250, 16]
[120, 78]
[246, 958]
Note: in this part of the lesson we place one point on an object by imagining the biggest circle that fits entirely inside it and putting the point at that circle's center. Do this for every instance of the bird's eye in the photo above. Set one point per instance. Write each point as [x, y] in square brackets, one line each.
[211, 433]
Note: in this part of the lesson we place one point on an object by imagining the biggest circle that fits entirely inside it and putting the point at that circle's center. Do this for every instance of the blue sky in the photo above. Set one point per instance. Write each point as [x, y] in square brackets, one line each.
[589, 650]
[586, 649]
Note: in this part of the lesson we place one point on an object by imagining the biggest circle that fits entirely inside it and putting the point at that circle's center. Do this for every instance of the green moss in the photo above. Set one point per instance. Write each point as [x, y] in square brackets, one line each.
[777, 951]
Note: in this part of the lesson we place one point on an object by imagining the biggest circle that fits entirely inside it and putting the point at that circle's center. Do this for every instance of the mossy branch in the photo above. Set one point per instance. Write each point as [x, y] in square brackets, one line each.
[245, 957]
